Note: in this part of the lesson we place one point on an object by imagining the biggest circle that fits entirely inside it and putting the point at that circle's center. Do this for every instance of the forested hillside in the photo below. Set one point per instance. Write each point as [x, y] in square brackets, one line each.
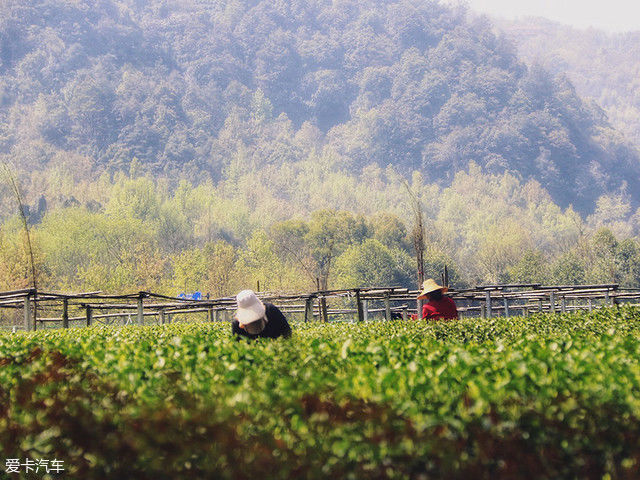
[192, 145]
[203, 89]
[603, 66]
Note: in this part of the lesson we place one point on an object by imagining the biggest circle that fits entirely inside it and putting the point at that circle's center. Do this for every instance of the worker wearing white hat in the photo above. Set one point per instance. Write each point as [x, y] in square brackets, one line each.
[255, 319]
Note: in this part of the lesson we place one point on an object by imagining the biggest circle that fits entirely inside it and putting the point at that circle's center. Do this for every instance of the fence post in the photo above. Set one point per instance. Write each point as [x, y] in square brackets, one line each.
[162, 317]
[359, 306]
[365, 310]
[27, 312]
[552, 302]
[405, 314]
[609, 299]
[563, 304]
[308, 309]
[387, 307]
[489, 313]
[323, 309]
[34, 310]
[89, 315]
[140, 309]
[65, 313]
[590, 304]
[506, 307]
[210, 315]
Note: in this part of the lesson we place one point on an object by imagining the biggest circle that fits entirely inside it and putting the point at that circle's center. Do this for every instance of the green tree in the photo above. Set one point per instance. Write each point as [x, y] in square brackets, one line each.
[221, 273]
[569, 269]
[500, 249]
[628, 260]
[369, 264]
[389, 230]
[15, 260]
[603, 265]
[259, 262]
[289, 239]
[190, 270]
[98, 251]
[330, 233]
[135, 198]
[613, 212]
[210, 269]
[531, 268]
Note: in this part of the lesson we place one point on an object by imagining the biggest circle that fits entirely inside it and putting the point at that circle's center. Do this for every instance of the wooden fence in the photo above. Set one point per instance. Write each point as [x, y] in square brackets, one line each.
[45, 309]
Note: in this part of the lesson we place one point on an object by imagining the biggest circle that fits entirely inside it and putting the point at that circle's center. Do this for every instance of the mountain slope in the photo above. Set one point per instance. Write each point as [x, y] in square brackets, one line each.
[602, 66]
[190, 86]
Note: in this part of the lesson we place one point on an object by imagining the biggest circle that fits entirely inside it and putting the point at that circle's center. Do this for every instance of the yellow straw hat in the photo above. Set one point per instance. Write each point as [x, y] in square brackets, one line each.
[429, 286]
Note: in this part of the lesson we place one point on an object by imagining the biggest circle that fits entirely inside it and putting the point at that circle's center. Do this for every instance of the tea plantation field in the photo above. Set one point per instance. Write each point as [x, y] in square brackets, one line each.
[549, 396]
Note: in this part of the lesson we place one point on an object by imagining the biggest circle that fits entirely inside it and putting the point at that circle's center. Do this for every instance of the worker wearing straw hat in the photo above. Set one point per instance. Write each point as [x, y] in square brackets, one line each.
[439, 306]
[255, 319]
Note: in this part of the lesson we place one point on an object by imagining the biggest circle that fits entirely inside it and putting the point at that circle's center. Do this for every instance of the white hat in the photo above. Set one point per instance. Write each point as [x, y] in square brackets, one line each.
[250, 308]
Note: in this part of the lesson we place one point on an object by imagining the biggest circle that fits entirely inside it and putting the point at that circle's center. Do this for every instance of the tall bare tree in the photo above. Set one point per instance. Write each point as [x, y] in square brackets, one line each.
[11, 179]
[417, 238]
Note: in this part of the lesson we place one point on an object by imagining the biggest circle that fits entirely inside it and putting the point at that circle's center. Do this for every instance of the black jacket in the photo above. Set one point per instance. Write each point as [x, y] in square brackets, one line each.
[277, 325]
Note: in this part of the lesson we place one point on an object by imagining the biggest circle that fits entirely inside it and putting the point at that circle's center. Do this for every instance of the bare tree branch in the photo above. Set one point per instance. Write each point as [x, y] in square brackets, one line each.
[16, 191]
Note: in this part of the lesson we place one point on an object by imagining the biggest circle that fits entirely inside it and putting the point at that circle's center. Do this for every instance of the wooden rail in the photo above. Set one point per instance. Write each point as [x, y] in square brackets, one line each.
[47, 308]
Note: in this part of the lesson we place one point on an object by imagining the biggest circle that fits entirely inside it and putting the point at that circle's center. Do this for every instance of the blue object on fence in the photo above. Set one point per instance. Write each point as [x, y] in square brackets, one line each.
[191, 296]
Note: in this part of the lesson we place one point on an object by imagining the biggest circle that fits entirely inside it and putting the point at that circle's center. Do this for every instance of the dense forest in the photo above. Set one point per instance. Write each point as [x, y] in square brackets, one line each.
[603, 66]
[201, 145]
[146, 235]
[186, 86]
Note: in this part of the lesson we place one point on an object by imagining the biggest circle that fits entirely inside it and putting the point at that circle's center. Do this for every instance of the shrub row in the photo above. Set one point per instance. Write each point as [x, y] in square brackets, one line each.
[549, 396]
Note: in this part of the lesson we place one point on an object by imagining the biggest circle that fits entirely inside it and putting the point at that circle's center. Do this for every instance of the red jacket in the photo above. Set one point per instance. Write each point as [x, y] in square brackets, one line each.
[445, 308]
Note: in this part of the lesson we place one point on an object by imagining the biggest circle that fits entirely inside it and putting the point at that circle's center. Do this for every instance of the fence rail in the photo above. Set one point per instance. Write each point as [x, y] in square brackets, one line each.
[41, 309]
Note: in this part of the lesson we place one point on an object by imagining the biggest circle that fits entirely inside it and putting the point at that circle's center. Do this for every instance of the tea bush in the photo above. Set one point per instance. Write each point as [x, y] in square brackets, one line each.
[548, 396]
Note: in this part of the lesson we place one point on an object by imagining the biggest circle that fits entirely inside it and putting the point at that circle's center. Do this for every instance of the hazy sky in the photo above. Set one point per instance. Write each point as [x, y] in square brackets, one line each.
[611, 15]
